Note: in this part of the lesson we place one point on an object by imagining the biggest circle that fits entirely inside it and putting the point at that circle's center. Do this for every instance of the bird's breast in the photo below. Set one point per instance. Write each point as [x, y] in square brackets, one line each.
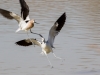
[46, 48]
[22, 24]
[29, 25]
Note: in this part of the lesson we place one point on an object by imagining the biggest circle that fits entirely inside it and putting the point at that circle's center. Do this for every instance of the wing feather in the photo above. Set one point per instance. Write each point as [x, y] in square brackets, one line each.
[27, 42]
[6, 14]
[55, 29]
[24, 9]
[10, 15]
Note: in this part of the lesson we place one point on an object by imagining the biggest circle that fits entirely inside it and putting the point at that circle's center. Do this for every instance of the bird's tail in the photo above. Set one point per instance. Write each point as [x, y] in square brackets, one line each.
[18, 30]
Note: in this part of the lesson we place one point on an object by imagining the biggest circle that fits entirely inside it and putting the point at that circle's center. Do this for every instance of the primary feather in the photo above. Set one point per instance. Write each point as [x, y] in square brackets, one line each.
[6, 14]
[24, 9]
[55, 29]
[10, 15]
[28, 42]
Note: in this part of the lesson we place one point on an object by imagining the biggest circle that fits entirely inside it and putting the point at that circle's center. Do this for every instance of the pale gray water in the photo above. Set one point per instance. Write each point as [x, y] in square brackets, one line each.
[78, 42]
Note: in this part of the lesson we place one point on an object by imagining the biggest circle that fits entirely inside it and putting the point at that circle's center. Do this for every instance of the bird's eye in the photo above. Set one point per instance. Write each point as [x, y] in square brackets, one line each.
[26, 21]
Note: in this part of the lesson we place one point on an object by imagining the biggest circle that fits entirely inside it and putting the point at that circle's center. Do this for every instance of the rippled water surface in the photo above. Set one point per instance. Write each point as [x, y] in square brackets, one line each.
[78, 42]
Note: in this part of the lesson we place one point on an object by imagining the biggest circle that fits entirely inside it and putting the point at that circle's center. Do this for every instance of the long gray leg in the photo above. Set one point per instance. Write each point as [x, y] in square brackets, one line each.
[36, 33]
[49, 61]
[56, 56]
[47, 58]
[30, 39]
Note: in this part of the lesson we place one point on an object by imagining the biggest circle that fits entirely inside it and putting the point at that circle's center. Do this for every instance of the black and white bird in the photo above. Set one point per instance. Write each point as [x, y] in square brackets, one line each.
[25, 23]
[47, 45]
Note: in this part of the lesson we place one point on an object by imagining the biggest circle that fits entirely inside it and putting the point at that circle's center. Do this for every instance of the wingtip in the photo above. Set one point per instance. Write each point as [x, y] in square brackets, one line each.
[17, 43]
[61, 21]
[64, 14]
[25, 42]
[62, 18]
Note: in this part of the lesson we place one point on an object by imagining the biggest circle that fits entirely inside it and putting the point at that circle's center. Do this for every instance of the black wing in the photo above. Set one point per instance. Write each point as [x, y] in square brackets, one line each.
[28, 42]
[24, 9]
[10, 15]
[55, 29]
[61, 21]
[6, 14]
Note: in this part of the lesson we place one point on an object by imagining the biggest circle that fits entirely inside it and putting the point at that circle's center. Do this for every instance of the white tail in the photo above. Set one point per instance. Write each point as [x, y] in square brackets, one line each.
[18, 30]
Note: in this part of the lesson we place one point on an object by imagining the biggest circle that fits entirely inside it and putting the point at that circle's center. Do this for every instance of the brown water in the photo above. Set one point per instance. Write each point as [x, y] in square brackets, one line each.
[78, 42]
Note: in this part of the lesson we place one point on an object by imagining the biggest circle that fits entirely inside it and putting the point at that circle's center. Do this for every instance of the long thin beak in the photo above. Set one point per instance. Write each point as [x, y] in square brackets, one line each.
[36, 22]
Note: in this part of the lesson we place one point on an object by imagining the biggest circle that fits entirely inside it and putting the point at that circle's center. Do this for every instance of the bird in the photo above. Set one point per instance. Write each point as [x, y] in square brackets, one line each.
[47, 46]
[25, 15]
[24, 22]
[25, 12]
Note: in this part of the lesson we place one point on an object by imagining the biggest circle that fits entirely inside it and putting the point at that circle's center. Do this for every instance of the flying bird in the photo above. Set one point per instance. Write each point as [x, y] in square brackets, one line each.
[47, 45]
[25, 15]
[24, 22]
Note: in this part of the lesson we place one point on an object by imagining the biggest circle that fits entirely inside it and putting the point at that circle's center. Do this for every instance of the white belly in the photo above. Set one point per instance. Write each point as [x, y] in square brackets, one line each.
[22, 24]
[46, 48]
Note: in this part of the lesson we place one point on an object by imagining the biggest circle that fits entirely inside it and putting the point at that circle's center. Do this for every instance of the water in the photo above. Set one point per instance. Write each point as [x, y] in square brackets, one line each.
[78, 42]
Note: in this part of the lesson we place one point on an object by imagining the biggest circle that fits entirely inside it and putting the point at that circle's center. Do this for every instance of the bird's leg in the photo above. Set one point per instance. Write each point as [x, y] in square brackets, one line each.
[30, 39]
[49, 61]
[36, 33]
[56, 56]
[47, 57]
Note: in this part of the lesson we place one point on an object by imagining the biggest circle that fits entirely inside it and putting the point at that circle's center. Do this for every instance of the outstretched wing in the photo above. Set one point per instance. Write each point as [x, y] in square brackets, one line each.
[24, 9]
[6, 13]
[28, 42]
[10, 15]
[55, 29]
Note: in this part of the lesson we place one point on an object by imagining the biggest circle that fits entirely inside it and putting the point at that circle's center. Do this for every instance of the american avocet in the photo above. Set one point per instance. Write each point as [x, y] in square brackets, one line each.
[24, 21]
[25, 16]
[25, 11]
[23, 25]
[47, 45]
